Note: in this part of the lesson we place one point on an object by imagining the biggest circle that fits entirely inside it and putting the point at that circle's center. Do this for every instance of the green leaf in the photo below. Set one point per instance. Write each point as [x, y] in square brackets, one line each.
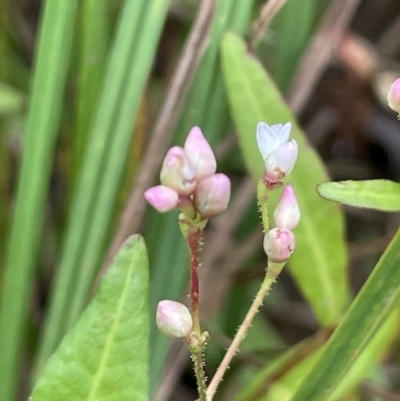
[105, 356]
[128, 65]
[293, 27]
[319, 261]
[52, 62]
[264, 385]
[378, 298]
[11, 100]
[95, 29]
[372, 194]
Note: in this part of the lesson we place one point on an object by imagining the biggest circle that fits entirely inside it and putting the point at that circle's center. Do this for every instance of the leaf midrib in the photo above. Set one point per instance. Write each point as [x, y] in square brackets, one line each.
[114, 328]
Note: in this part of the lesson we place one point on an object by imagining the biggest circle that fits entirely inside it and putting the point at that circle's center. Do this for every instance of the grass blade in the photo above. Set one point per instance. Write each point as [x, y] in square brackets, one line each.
[379, 297]
[92, 207]
[45, 108]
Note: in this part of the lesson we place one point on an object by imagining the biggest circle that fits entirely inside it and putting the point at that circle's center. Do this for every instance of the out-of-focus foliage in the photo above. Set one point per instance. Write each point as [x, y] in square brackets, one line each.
[81, 84]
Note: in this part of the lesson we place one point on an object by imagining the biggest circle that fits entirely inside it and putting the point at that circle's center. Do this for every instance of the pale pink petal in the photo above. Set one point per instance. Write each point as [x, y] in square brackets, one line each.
[174, 319]
[200, 153]
[287, 212]
[212, 195]
[162, 198]
[177, 171]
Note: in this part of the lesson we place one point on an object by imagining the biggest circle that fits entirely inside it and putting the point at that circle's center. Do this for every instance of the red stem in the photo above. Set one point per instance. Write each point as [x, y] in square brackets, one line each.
[194, 240]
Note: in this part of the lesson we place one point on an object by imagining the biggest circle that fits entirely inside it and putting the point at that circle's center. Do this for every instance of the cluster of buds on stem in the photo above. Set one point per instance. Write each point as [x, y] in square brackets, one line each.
[279, 155]
[189, 180]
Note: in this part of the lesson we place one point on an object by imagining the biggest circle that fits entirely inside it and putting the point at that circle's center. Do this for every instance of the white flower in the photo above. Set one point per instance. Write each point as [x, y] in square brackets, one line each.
[278, 154]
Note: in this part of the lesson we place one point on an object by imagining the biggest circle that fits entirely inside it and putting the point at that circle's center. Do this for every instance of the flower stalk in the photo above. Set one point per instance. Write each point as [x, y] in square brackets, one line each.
[279, 155]
[198, 366]
[273, 272]
[194, 241]
[262, 199]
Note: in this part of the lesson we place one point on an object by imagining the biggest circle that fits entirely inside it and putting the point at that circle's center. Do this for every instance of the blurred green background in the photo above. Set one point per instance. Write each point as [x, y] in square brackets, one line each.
[87, 108]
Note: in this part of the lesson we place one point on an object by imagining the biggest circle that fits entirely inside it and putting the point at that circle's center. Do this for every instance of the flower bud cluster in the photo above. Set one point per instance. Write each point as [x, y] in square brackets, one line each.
[279, 154]
[280, 242]
[189, 173]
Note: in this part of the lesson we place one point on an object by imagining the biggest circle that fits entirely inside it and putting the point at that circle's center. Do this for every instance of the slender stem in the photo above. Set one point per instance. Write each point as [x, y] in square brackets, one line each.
[272, 273]
[262, 197]
[198, 364]
[197, 339]
[194, 242]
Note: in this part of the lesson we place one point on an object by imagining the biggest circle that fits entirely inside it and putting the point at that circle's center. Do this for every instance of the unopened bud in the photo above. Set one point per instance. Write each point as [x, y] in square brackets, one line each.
[200, 153]
[174, 319]
[393, 96]
[162, 198]
[281, 162]
[212, 195]
[287, 212]
[279, 244]
[178, 172]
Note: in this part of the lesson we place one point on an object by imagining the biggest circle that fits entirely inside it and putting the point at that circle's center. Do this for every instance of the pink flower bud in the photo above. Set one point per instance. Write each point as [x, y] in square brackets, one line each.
[162, 198]
[270, 138]
[280, 162]
[212, 195]
[177, 172]
[200, 153]
[279, 244]
[287, 212]
[174, 319]
[393, 96]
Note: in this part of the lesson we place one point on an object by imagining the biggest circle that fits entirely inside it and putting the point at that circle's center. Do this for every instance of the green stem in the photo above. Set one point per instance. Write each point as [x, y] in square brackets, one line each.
[272, 273]
[262, 197]
[198, 365]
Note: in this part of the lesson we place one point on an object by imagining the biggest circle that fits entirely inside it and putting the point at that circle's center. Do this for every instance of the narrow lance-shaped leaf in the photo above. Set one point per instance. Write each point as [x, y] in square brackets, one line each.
[51, 65]
[378, 298]
[381, 195]
[286, 386]
[128, 64]
[105, 356]
[318, 264]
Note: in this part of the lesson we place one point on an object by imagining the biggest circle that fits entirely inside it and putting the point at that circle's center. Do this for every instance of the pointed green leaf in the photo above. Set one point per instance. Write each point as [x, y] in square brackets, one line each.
[105, 356]
[285, 387]
[319, 262]
[52, 60]
[378, 298]
[372, 194]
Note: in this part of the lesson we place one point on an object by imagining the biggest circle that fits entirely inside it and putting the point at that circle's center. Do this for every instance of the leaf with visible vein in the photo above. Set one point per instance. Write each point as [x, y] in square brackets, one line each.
[381, 195]
[105, 356]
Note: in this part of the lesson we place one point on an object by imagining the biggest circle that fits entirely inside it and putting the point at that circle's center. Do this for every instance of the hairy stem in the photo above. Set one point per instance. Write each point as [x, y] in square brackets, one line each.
[262, 197]
[198, 365]
[194, 242]
[272, 273]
